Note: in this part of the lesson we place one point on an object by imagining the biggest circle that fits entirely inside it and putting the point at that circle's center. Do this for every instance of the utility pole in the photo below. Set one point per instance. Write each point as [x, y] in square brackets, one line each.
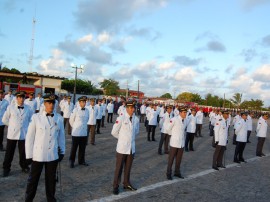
[75, 82]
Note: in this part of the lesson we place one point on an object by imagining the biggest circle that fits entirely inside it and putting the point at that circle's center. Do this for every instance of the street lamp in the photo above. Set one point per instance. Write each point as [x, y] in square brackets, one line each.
[76, 69]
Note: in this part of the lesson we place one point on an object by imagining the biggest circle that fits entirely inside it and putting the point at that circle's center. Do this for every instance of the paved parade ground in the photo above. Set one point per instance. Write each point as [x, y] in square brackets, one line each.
[238, 182]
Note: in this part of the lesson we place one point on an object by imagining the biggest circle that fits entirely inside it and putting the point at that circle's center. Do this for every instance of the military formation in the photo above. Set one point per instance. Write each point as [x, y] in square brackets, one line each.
[40, 132]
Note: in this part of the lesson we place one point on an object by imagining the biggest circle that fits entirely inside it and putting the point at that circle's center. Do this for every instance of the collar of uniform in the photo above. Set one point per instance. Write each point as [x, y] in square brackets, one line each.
[20, 106]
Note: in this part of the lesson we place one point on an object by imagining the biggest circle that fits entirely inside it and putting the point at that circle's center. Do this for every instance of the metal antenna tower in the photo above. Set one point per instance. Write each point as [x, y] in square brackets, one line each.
[32, 42]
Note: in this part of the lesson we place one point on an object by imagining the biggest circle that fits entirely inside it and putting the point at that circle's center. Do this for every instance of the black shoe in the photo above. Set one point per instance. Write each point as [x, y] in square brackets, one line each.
[130, 188]
[215, 167]
[169, 177]
[248, 141]
[159, 152]
[186, 150]
[26, 170]
[6, 173]
[263, 154]
[200, 136]
[222, 166]
[166, 152]
[191, 150]
[71, 164]
[236, 161]
[93, 144]
[148, 140]
[242, 160]
[259, 155]
[179, 175]
[153, 139]
[98, 132]
[84, 164]
[115, 191]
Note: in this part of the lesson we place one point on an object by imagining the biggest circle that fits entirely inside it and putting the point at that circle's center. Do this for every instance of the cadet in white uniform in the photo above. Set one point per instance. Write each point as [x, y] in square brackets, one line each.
[78, 121]
[221, 138]
[165, 137]
[9, 97]
[199, 122]
[143, 111]
[104, 108]
[261, 134]
[39, 101]
[122, 109]
[67, 109]
[17, 118]
[176, 129]
[110, 108]
[3, 107]
[152, 118]
[235, 121]
[62, 103]
[249, 123]
[31, 102]
[241, 138]
[191, 130]
[45, 146]
[125, 129]
[91, 124]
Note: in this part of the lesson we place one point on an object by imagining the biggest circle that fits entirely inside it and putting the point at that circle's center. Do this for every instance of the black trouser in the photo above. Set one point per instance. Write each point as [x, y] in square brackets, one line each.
[211, 130]
[122, 160]
[151, 128]
[175, 153]
[98, 125]
[218, 156]
[11, 146]
[260, 146]
[248, 135]
[66, 121]
[234, 137]
[164, 138]
[142, 117]
[189, 141]
[146, 124]
[239, 149]
[102, 121]
[199, 129]
[2, 128]
[109, 117]
[81, 142]
[50, 180]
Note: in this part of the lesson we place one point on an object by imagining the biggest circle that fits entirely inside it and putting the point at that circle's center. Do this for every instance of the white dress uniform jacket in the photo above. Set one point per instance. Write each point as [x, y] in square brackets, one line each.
[78, 121]
[249, 123]
[164, 122]
[161, 112]
[100, 111]
[261, 127]
[3, 107]
[143, 109]
[62, 103]
[152, 117]
[110, 107]
[67, 109]
[93, 113]
[9, 98]
[121, 110]
[45, 134]
[31, 103]
[39, 101]
[199, 117]
[147, 110]
[191, 123]
[236, 119]
[126, 131]
[221, 132]
[176, 112]
[103, 107]
[17, 121]
[176, 129]
[241, 130]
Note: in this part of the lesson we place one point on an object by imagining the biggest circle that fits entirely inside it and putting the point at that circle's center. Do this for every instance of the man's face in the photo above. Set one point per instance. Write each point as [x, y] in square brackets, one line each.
[265, 117]
[225, 116]
[31, 97]
[9, 92]
[130, 110]
[92, 103]
[69, 100]
[82, 103]
[193, 112]
[244, 116]
[169, 110]
[99, 103]
[39, 95]
[183, 114]
[49, 106]
[20, 100]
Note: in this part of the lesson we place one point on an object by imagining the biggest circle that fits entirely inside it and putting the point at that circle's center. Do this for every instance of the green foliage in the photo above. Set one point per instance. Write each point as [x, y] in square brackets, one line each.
[110, 86]
[190, 97]
[12, 70]
[237, 99]
[82, 87]
[166, 95]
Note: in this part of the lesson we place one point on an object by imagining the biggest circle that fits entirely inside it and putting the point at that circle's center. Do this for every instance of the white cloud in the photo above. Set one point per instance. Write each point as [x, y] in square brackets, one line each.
[262, 73]
[167, 65]
[85, 39]
[103, 37]
[185, 75]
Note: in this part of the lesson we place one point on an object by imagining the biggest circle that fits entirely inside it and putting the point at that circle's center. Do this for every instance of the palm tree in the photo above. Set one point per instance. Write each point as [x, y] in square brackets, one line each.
[237, 99]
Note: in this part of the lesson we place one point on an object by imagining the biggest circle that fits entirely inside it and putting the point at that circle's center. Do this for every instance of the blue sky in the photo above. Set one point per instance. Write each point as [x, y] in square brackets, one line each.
[200, 46]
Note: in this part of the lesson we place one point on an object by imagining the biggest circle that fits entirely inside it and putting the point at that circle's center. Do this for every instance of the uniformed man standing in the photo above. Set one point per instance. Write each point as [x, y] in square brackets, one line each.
[125, 129]
[152, 118]
[9, 97]
[99, 116]
[31, 102]
[45, 146]
[241, 138]
[78, 121]
[176, 129]
[17, 118]
[142, 111]
[39, 101]
[67, 109]
[165, 137]
[261, 134]
[199, 122]
[249, 123]
[122, 109]
[104, 108]
[91, 124]
[110, 108]
[191, 130]
[221, 138]
[3, 107]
